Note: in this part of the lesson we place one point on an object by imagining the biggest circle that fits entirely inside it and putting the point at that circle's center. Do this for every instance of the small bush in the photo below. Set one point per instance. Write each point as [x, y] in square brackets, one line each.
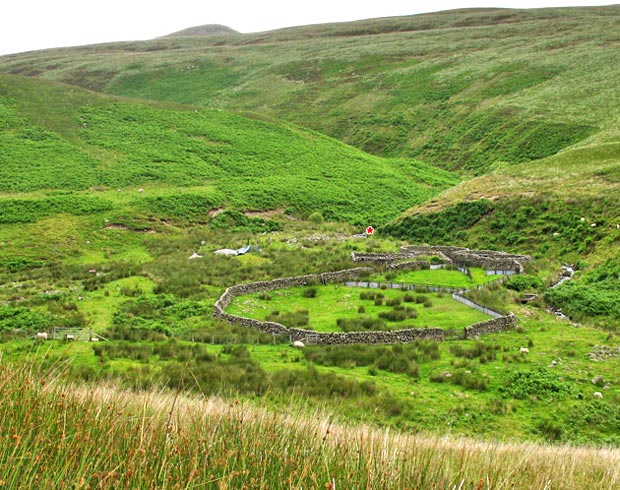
[310, 293]
[466, 380]
[524, 282]
[399, 315]
[539, 382]
[298, 318]
[360, 324]
[550, 430]
[316, 217]
[486, 352]
[371, 295]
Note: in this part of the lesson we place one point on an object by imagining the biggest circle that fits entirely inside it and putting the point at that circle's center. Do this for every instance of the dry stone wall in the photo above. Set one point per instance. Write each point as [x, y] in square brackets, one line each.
[495, 325]
[261, 326]
[331, 338]
[382, 257]
[490, 260]
[372, 337]
[414, 265]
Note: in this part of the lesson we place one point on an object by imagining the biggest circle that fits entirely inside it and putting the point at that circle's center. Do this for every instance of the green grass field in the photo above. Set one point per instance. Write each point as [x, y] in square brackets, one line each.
[441, 277]
[340, 302]
[494, 392]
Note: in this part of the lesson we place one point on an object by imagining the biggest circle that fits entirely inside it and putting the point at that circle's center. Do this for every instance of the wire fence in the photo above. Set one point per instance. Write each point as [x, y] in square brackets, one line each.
[472, 304]
[419, 287]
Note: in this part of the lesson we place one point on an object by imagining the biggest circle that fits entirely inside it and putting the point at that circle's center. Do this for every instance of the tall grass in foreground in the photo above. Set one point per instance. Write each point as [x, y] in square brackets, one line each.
[57, 435]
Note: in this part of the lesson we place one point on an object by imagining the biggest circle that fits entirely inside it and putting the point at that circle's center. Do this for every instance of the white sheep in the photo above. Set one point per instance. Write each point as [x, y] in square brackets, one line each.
[41, 336]
[299, 343]
[598, 394]
[524, 350]
[70, 337]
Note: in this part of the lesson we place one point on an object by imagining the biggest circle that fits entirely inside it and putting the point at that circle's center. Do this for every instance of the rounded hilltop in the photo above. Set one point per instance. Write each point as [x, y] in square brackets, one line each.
[204, 30]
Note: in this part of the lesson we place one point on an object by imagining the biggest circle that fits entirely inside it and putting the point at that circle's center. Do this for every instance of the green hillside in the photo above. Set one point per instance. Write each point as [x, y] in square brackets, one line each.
[563, 208]
[209, 158]
[470, 89]
[125, 166]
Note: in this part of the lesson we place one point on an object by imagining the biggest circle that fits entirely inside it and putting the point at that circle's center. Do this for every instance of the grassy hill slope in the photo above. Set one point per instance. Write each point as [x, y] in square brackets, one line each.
[57, 138]
[564, 208]
[470, 89]
[165, 440]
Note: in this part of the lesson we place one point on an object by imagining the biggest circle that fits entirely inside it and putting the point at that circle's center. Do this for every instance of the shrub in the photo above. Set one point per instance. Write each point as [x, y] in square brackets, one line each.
[371, 295]
[316, 217]
[535, 382]
[131, 292]
[524, 282]
[466, 380]
[360, 324]
[550, 430]
[399, 315]
[486, 352]
[310, 292]
[298, 318]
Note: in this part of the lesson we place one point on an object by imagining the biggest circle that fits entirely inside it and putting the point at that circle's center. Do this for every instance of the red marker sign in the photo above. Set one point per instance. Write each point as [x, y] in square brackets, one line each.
[370, 230]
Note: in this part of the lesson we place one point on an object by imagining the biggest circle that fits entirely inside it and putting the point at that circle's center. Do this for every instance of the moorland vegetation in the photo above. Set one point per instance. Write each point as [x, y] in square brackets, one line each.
[488, 128]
